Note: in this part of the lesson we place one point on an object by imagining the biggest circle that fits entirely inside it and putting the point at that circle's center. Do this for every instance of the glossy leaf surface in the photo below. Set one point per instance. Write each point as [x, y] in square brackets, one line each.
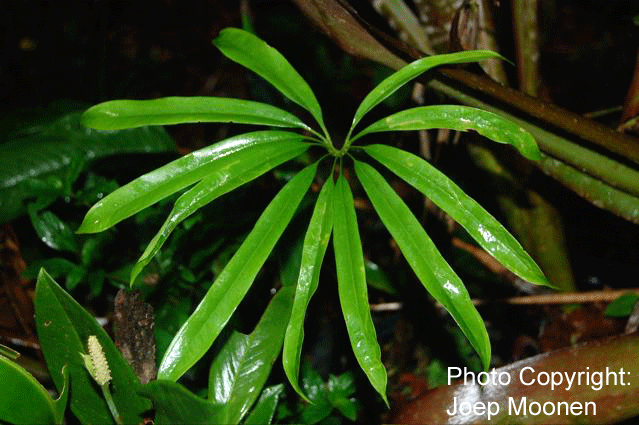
[396, 80]
[54, 232]
[120, 114]
[419, 250]
[254, 54]
[164, 181]
[241, 368]
[198, 333]
[264, 409]
[23, 400]
[63, 329]
[459, 118]
[180, 405]
[353, 295]
[315, 244]
[482, 226]
[49, 154]
[239, 168]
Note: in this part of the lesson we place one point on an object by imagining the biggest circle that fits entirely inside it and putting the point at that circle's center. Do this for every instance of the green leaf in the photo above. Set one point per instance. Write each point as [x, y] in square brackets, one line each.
[265, 407]
[63, 329]
[459, 118]
[253, 53]
[239, 167]
[320, 407]
[198, 333]
[9, 353]
[120, 114]
[396, 80]
[49, 155]
[424, 258]
[23, 400]
[241, 368]
[340, 389]
[180, 405]
[482, 226]
[315, 244]
[351, 279]
[622, 306]
[54, 232]
[56, 267]
[376, 278]
[168, 179]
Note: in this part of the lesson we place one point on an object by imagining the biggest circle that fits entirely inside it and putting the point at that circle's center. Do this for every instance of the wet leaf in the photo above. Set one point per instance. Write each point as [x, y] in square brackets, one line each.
[459, 118]
[170, 178]
[314, 248]
[253, 53]
[482, 226]
[216, 308]
[265, 407]
[396, 80]
[241, 368]
[351, 280]
[121, 114]
[54, 232]
[424, 258]
[237, 169]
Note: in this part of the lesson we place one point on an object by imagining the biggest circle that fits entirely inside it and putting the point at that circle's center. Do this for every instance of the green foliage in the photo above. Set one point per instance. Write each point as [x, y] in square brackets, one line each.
[63, 330]
[41, 163]
[224, 166]
[622, 306]
[327, 400]
[23, 400]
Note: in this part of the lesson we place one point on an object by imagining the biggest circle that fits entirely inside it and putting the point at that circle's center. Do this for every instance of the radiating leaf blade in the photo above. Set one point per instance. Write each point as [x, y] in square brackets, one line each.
[63, 329]
[314, 248]
[459, 118]
[482, 226]
[164, 181]
[419, 250]
[198, 333]
[239, 168]
[353, 295]
[242, 367]
[396, 80]
[251, 52]
[121, 114]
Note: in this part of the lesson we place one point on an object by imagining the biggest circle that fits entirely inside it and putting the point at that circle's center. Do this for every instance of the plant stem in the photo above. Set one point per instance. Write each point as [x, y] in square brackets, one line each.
[114, 411]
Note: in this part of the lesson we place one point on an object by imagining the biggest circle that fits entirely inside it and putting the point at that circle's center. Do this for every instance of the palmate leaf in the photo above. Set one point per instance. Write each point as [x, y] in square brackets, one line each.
[396, 80]
[121, 114]
[482, 226]
[315, 244]
[419, 250]
[238, 168]
[351, 282]
[170, 178]
[254, 54]
[202, 328]
[459, 118]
